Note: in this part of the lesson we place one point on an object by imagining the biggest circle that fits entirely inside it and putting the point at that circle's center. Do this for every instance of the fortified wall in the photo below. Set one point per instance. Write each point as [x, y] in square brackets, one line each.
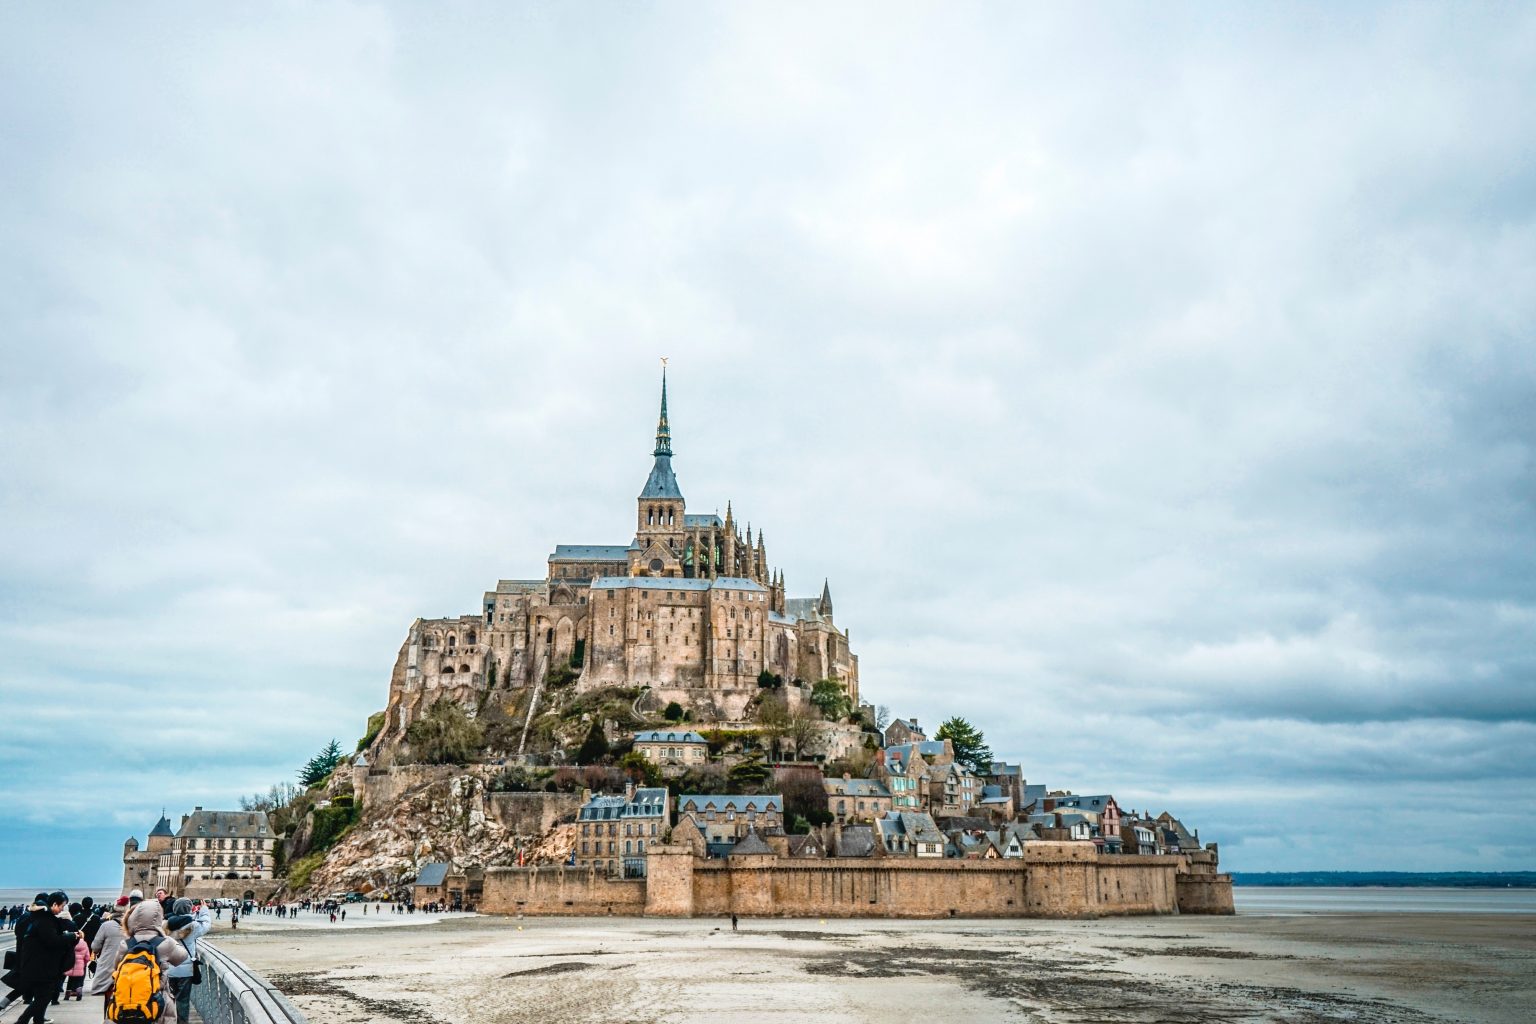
[1053, 880]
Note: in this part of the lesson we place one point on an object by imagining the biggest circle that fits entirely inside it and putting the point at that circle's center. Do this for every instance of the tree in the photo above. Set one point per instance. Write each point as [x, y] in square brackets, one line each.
[804, 794]
[318, 768]
[595, 747]
[801, 729]
[445, 734]
[640, 768]
[748, 773]
[673, 713]
[882, 717]
[970, 748]
[829, 696]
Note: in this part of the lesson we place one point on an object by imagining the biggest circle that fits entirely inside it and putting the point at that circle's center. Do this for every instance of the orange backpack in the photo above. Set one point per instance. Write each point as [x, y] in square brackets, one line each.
[136, 985]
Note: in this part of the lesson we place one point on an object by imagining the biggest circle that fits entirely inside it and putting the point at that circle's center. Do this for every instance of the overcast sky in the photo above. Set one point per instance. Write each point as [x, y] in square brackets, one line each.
[1156, 386]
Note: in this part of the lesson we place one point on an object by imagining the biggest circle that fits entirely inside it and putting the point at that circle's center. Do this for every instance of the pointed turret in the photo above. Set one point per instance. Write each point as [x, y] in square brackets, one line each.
[824, 606]
[662, 483]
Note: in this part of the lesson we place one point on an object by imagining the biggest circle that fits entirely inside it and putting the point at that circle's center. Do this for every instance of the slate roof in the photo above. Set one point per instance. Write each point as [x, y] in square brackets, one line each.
[226, 825]
[689, 519]
[998, 769]
[432, 873]
[162, 827]
[856, 841]
[701, 802]
[927, 748]
[856, 787]
[590, 553]
[649, 802]
[675, 583]
[661, 736]
[804, 846]
[1087, 803]
[750, 845]
[807, 609]
[993, 795]
[662, 483]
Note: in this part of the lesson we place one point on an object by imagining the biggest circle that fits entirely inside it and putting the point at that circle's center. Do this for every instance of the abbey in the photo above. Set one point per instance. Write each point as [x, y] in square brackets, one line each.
[689, 607]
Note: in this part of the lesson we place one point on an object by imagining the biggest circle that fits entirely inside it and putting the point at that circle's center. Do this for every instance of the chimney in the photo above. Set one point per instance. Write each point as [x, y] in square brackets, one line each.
[197, 808]
[629, 791]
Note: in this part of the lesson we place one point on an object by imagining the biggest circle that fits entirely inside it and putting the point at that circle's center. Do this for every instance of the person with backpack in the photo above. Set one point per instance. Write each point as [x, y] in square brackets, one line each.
[140, 989]
[180, 976]
[108, 949]
[50, 937]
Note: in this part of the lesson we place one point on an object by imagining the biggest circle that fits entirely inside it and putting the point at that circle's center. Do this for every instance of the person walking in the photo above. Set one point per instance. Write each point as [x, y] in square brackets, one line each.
[147, 928]
[50, 939]
[180, 976]
[108, 949]
[75, 976]
[733, 922]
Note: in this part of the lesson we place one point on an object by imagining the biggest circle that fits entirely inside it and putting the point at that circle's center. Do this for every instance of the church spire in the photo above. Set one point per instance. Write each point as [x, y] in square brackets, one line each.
[663, 431]
[824, 606]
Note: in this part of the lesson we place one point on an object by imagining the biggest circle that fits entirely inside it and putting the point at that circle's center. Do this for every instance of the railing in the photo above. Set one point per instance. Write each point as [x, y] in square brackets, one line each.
[232, 993]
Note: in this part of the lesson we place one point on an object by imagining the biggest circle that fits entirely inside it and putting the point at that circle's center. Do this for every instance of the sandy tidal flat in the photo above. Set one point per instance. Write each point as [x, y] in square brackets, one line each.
[1365, 969]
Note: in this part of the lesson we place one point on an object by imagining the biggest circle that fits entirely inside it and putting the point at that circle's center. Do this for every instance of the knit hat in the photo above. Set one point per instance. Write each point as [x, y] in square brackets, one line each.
[136, 894]
[182, 906]
[122, 901]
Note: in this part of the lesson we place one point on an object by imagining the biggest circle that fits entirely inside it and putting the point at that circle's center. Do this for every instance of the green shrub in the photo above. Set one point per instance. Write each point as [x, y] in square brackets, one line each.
[300, 870]
[375, 725]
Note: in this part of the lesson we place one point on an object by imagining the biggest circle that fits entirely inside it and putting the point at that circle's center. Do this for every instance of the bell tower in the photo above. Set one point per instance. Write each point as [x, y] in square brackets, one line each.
[659, 531]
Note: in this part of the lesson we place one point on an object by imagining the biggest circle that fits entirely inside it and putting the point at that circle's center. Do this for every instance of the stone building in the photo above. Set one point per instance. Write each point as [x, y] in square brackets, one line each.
[690, 607]
[726, 818]
[673, 750]
[209, 846]
[141, 866]
[615, 830]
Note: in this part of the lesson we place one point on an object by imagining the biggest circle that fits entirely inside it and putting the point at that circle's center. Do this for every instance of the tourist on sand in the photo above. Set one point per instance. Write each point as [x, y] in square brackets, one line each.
[146, 923]
[180, 976]
[733, 922]
[108, 947]
[49, 940]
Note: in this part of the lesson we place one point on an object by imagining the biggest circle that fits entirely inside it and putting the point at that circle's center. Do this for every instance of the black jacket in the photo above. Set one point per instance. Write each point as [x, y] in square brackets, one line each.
[45, 946]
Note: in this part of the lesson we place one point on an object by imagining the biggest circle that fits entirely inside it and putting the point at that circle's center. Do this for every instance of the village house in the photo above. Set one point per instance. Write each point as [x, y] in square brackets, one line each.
[674, 751]
[950, 789]
[903, 731]
[726, 819]
[613, 831]
[850, 799]
[1108, 816]
[904, 774]
[910, 834]
[996, 803]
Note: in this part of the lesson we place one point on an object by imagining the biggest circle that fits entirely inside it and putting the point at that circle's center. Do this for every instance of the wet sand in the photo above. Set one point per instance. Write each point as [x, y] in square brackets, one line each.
[1361, 968]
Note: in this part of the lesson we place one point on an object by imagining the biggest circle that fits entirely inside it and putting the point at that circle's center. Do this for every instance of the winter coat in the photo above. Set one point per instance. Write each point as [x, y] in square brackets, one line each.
[202, 924]
[146, 922]
[108, 947]
[82, 957]
[46, 944]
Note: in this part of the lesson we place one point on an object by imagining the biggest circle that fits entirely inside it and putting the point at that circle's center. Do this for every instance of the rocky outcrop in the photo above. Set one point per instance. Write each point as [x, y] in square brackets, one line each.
[442, 820]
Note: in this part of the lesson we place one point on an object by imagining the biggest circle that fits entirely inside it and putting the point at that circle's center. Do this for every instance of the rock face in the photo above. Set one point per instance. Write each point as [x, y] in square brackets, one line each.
[443, 820]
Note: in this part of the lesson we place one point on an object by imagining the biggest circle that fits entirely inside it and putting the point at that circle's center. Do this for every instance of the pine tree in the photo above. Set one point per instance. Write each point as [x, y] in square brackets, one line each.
[970, 747]
[595, 747]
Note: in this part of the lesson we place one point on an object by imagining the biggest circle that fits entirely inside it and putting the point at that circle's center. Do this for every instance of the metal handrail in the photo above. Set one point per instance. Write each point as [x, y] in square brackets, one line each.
[232, 993]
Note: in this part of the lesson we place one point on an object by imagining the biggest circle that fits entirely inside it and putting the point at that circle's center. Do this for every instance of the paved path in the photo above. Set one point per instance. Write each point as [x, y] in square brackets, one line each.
[86, 1011]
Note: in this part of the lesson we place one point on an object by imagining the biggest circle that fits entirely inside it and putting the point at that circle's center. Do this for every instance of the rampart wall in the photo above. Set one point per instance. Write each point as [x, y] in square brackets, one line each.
[1054, 880]
[556, 891]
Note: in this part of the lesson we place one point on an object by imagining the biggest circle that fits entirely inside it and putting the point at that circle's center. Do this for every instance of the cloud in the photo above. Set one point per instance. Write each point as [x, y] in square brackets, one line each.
[1154, 391]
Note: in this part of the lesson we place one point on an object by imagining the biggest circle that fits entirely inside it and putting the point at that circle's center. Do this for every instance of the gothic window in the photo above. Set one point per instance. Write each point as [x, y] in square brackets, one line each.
[453, 641]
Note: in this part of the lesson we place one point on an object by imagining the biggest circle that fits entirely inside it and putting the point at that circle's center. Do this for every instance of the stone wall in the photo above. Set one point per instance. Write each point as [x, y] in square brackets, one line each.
[1068, 880]
[531, 814]
[1205, 894]
[554, 891]
[383, 787]
[230, 888]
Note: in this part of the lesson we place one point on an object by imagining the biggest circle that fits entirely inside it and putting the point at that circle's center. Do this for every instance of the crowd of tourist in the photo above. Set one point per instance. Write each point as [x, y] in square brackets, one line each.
[139, 955]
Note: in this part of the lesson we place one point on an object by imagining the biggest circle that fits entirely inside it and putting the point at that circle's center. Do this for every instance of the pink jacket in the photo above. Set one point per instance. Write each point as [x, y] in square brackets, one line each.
[82, 957]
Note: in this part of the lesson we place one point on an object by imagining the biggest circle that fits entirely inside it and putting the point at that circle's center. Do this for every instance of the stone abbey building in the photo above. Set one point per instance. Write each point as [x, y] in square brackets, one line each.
[690, 607]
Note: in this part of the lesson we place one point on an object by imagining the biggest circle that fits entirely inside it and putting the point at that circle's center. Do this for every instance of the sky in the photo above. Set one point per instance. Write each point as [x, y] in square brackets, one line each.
[1156, 386]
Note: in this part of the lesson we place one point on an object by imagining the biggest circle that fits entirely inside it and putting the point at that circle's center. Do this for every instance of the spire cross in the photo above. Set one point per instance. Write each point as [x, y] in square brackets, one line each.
[663, 431]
